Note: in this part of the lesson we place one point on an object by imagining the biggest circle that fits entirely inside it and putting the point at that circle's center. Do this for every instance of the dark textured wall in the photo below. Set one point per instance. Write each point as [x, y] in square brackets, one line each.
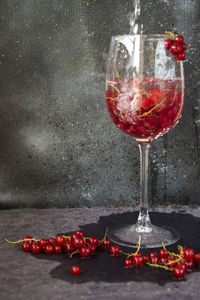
[58, 146]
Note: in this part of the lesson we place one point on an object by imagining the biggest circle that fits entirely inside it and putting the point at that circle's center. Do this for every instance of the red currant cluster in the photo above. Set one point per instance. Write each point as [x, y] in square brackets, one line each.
[176, 45]
[77, 243]
[178, 263]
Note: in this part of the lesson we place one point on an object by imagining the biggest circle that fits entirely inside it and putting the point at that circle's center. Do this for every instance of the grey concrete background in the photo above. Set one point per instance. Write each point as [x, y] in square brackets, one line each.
[58, 146]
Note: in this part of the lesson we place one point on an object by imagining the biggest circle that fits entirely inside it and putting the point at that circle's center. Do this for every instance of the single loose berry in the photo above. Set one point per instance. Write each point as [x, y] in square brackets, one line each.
[178, 272]
[106, 243]
[75, 270]
[60, 240]
[114, 250]
[197, 257]
[128, 262]
[188, 254]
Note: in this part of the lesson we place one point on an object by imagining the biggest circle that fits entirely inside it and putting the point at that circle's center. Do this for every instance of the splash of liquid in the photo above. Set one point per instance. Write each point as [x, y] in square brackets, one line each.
[135, 26]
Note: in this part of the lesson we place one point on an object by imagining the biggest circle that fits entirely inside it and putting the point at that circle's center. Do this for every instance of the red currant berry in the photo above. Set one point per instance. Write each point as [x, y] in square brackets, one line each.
[128, 262]
[137, 260]
[76, 270]
[93, 240]
[173, 49]
[171, 263]
[60, 240]
[35, 248]
[146, 258]
[163, 260]
[74, 236]
[26, 246]
[197, 257]
[93, 248]
[52, 241]
[114, 250]
[28, 239]
[181, 266]
[49, 249]
[42, 243]
[168, 43]
[57, 249]
[179, 39]
[178, 272]
[176, 49]
[179, 48]
[189, 264]
[153, 254]
[188, 254]
[184, 46]
[85, 251]
[163, 253]
[77, 242]
[106, 243]
[80, 233]
[154, 260]
[181, 56]
[68, 247]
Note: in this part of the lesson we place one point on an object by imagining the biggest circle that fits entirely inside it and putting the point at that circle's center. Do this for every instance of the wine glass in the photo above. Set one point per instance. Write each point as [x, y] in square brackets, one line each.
[144, 95]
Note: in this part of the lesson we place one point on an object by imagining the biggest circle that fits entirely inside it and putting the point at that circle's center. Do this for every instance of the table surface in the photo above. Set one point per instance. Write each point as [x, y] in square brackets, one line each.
[27, 276]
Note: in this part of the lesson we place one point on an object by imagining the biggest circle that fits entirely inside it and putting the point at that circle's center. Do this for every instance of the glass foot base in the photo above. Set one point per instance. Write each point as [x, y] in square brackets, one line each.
[128, 236]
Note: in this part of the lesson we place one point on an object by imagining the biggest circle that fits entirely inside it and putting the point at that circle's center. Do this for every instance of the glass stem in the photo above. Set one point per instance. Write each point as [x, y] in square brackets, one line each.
[143, 223]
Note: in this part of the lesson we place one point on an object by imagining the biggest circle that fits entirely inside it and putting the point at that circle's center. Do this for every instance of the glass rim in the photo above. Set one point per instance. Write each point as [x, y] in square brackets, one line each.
[142, 35]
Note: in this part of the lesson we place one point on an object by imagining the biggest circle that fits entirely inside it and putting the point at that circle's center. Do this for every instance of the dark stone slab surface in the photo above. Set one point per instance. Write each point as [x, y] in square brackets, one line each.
[27, 276]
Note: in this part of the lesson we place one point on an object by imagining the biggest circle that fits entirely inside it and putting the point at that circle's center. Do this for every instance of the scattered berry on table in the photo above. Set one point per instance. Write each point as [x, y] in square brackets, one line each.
[75, 270]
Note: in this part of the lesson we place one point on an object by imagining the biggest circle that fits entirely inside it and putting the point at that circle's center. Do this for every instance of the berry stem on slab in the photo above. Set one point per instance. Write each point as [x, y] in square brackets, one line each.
[76, 251]
[159, 266]
[19, 241]
[105, 235]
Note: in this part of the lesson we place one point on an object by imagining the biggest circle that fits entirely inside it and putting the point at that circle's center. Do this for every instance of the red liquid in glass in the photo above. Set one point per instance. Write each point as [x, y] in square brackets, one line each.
[147, 108]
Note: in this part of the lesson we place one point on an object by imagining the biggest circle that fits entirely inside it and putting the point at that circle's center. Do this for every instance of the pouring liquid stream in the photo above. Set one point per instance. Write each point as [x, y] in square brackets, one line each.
[135, 26]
